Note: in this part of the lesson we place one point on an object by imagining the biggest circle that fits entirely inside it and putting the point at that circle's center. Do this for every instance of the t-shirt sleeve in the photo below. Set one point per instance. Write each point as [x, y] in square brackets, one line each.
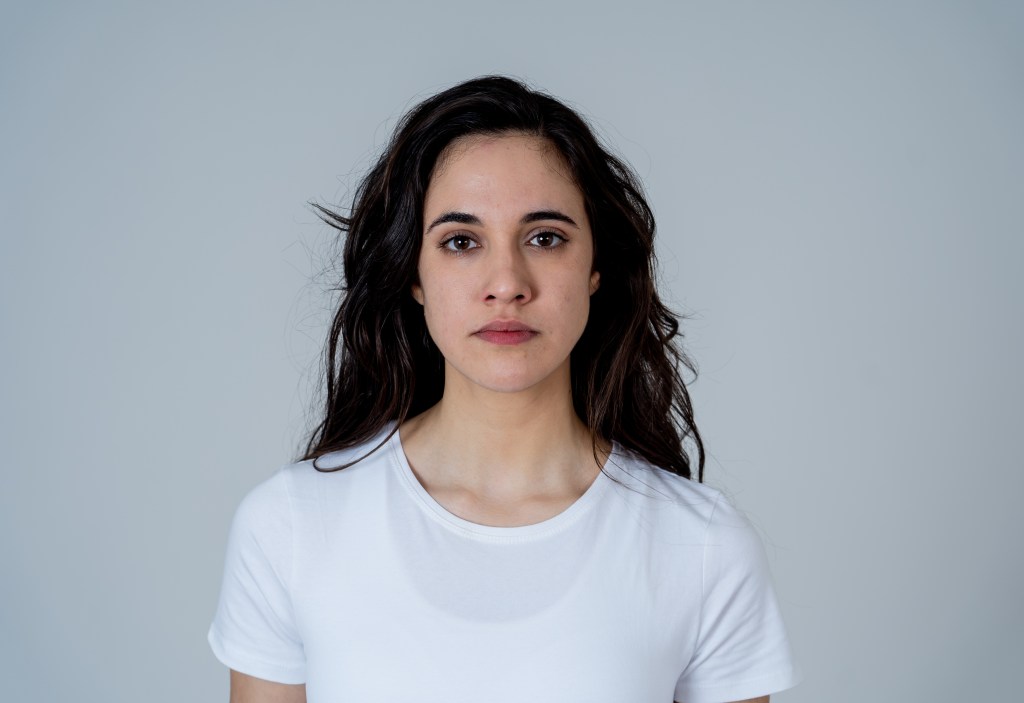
[742, 649]
[254, 630]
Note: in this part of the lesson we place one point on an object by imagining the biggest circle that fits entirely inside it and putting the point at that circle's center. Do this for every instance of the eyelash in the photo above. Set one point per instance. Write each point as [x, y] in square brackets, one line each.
[460, 252]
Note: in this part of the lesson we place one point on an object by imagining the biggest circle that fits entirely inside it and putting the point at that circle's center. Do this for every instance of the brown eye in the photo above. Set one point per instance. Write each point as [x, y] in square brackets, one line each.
[458, 244]
[548, 240]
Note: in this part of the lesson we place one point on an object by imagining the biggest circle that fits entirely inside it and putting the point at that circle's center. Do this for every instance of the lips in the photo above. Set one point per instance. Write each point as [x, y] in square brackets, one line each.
[505, 326]
[506, 332]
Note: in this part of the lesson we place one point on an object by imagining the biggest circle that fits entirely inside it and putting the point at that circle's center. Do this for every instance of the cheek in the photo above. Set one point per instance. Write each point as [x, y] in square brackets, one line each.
[580, 303]
[571, 310]
[577, 293]
[441, 310]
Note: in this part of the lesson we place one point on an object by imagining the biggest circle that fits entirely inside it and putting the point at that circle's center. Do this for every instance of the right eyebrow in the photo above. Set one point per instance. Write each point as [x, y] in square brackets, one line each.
[463, 218]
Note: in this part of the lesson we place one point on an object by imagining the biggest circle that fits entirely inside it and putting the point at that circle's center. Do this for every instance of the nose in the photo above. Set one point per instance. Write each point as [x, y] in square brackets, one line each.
[508, 278]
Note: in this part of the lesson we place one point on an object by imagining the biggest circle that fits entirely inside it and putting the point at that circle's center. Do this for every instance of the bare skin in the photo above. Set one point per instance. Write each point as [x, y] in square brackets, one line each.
[506, 237]
[249, 689]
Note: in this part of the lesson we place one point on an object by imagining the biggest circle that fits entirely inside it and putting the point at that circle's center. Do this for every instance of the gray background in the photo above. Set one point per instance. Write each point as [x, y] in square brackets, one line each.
[839, 190]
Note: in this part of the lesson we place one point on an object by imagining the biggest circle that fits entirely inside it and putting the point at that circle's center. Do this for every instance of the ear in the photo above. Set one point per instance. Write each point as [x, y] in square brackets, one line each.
[417, 293]
[595, 281]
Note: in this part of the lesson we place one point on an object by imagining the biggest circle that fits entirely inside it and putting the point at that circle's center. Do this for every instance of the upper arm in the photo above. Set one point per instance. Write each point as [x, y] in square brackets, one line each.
[254, 629]
[249, 689]
[741, 648]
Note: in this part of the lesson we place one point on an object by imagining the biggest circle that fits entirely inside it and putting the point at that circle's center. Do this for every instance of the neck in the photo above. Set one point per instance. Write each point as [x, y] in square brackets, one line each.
[504, 444]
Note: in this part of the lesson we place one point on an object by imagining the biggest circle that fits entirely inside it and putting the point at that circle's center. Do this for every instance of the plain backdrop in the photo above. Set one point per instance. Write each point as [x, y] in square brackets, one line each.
[839, 192]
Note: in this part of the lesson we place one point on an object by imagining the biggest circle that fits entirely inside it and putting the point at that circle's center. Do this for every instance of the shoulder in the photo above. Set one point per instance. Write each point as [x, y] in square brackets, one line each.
[295, 491]
[663, 492]
[684, 505]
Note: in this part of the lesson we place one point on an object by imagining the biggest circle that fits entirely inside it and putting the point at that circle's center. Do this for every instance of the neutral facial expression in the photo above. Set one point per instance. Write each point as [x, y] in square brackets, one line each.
[506, 240]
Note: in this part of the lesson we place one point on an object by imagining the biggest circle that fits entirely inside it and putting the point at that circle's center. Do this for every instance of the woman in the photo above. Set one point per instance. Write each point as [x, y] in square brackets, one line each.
[497, 504]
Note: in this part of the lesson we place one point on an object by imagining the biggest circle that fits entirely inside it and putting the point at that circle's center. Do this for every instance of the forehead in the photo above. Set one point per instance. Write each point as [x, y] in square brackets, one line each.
[510, 165]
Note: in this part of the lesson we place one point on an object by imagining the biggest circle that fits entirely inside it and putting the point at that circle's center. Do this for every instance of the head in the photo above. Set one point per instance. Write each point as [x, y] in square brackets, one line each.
[382, 363]
[507, 242]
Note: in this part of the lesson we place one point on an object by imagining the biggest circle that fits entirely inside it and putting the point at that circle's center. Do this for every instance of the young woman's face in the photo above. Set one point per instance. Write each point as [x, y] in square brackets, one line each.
[506, 242]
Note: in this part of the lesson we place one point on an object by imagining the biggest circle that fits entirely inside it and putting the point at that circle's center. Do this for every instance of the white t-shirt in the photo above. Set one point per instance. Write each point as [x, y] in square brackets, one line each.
[359, 584]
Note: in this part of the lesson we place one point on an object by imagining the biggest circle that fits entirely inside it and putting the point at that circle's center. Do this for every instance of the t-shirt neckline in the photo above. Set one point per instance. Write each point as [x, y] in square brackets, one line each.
[493, 532]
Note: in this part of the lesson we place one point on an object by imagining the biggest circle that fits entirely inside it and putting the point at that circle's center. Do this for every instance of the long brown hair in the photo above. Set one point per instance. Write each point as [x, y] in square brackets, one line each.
[380, 363]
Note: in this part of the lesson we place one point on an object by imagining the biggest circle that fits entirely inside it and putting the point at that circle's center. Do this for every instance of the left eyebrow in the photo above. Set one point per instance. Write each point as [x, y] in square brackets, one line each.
[538, 215]
[535, 216]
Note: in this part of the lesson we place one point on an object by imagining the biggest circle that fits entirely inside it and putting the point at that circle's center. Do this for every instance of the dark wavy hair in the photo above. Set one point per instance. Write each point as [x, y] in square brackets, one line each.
[380, 362]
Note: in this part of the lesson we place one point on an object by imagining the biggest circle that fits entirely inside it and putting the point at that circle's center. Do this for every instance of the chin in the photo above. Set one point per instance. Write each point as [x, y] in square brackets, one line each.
[508, 380]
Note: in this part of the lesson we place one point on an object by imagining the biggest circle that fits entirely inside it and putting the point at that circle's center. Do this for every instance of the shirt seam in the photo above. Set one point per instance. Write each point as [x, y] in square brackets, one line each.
[230, 648]
[788, 678]
[291, 542]
[703, 580]
[445, 521]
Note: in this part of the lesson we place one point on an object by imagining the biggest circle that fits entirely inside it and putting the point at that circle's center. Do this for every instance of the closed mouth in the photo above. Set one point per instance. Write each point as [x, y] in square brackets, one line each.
[505, 326]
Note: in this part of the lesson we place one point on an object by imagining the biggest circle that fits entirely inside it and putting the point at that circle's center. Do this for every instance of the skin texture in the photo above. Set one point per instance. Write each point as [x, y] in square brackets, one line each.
[504, 445]
[538, 272]
[249, 689]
